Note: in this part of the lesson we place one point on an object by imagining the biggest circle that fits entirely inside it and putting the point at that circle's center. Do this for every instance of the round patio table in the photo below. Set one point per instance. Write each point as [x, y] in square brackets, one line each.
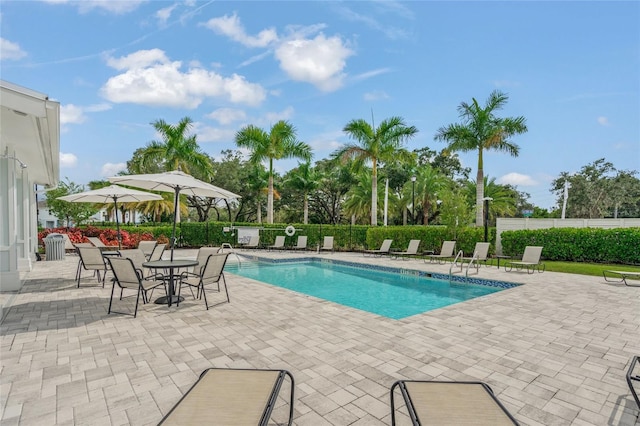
[169, 265]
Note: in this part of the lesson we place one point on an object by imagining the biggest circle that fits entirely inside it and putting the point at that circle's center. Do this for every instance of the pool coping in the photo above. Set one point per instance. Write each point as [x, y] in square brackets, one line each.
[402, 271]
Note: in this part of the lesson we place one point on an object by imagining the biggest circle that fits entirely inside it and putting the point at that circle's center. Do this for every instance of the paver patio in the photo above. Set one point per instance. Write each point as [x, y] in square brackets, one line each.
[554, 350]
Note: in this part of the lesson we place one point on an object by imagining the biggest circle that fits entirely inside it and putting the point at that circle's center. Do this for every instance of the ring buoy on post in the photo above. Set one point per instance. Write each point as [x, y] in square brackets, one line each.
[290, 230]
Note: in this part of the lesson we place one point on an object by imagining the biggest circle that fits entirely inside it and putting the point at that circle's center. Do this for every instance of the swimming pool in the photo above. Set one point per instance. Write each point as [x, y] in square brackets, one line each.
[385, 293]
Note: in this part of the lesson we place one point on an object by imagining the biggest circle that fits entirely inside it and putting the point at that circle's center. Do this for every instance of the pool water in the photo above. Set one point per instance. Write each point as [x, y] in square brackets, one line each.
[384, 293]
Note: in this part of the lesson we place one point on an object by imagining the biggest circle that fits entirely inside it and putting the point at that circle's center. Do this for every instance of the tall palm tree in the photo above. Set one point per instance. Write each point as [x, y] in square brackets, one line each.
[304, 179]
[281, 142]
[375, 145]
[176, 151]
[481, 130]
[428, 182]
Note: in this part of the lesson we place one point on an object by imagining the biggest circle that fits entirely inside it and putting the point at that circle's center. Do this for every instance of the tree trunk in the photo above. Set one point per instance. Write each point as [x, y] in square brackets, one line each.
[270, 200]
[480, 191]
[374, 194]
[306, 209]
[259, 212]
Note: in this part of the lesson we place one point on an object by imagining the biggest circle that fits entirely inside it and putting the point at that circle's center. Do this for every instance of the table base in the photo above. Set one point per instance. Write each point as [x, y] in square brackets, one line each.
[164, 300]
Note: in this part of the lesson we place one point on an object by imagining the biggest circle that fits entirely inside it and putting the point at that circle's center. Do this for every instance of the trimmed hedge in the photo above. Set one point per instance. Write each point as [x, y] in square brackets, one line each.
[597, 245]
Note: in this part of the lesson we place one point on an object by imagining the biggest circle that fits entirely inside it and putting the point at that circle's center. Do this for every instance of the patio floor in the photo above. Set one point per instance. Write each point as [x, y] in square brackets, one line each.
[555, 350]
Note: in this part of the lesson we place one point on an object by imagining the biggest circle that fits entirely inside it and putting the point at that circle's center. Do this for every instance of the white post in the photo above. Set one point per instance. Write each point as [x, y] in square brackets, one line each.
[386, 200]
[566, 195]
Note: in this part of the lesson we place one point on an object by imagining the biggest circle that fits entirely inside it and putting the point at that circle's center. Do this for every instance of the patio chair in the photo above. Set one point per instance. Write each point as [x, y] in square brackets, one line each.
[138, 258]
[91, 259]
[480, 254]
[301, 244]
[623, 277]
[327, 244]
[412, 250]
[384, 249]
[147, 247]
[450, 403]
[253, 243]
[278, 244]
[446, 253]
[530, 261]
[126, 276]
[228, 396]
[157, 252]
[212, 273]
[633, 378]
[201, 257]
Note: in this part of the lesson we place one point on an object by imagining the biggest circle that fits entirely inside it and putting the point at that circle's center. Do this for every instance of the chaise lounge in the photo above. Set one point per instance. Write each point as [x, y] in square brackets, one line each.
[623, 275]
[530, 261]
[384, 249]
[227, 396]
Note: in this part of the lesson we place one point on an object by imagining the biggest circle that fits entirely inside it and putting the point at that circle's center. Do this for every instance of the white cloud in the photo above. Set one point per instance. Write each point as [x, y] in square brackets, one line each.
[112, 169]
[516, 179]
[213, 134]
[68, 160]
[319, 61]
[10, 50]
[274, 117]
[111, 6]
[71, 114]
[603, 121]
[150, 78]
[164, 14]
[376, 95]
[231, 27]
[227, 115]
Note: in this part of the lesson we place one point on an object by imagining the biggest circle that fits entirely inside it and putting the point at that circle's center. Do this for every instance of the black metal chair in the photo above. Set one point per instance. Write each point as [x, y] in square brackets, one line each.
[210, 273]
[633, 378]
[126, 276]
[91, 259]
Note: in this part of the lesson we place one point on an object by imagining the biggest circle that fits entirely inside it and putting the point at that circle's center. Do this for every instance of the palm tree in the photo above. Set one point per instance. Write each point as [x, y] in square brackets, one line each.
[428, 182]
[481, 130]
[281, 142]
[304, 179]
[375, 145]
[358, 199]
[503, 198]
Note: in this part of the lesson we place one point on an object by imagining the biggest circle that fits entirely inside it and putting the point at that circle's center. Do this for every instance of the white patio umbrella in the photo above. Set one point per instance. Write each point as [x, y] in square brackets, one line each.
[178, 183]
[112, 193]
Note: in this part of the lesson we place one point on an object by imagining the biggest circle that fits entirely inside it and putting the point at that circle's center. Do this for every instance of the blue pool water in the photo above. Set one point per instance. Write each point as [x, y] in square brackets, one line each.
[388, 294]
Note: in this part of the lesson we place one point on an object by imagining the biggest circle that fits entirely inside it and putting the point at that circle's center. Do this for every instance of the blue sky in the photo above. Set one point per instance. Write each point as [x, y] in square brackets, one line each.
[571, 68]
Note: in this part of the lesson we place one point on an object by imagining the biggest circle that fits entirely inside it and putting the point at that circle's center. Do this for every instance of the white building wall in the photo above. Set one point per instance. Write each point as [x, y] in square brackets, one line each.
[515, 224]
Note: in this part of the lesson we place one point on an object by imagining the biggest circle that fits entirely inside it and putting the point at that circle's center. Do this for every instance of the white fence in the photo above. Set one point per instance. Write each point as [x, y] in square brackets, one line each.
[513, 224]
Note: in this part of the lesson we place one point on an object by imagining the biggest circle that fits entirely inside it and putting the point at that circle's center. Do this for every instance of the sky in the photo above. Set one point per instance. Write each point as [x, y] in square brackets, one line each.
[571, 68]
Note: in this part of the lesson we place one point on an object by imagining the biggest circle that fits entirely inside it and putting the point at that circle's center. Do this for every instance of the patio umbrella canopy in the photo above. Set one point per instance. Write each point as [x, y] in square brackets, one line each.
[112, 193]
[178, 183]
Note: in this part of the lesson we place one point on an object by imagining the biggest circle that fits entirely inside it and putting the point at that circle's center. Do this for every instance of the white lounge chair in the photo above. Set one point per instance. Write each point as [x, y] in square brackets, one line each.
[278, 244]
[530, 261]
[327, 244]
[446, 253]
[623, 275]
[412, 250]
[302, 243]
[384, 249]
[254, 242]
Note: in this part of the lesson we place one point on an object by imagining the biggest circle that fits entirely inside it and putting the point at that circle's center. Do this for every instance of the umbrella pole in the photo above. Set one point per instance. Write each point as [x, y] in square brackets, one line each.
[115, 203]
[175, 217]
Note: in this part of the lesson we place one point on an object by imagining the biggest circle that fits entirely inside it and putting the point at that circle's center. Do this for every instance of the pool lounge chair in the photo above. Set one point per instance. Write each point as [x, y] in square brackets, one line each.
[633, 378]
[623, 277]
[226, 396]
[446, 253]
[278, 244]
[480, 255]
[253, 243]
[384, 249]
[530, 261]
[327, 244]
[301, 244]
[450, 403]
[412, 250]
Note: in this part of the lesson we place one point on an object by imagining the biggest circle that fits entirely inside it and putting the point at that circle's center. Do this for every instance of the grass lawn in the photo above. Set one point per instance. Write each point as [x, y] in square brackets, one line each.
[587, 268]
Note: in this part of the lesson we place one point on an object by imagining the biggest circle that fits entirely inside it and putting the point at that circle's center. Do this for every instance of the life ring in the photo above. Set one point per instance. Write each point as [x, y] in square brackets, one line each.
[290, 230]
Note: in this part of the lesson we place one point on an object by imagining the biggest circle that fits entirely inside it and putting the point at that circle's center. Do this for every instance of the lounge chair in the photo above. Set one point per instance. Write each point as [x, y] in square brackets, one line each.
[301, 244]
[91, 260]
[69, 247]
[278, 244]
[480, 254]
[633, 377]
[211, 273]
[623, 277]
[147, 247]
[446, 253]
[412, 250]
[530, 261]
[231, 397]
[384, 249]
[450, 403]
[254, 242]
[327, 244]
[126, 276]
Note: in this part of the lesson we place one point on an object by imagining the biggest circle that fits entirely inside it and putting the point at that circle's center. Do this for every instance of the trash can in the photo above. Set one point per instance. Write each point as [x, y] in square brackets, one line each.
[54, 246]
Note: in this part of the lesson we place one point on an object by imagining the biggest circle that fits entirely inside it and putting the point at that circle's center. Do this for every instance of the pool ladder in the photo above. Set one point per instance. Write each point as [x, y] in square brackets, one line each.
[459, 255]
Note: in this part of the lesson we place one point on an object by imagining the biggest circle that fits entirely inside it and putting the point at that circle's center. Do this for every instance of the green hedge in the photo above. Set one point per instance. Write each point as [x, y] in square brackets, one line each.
[619, 245]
